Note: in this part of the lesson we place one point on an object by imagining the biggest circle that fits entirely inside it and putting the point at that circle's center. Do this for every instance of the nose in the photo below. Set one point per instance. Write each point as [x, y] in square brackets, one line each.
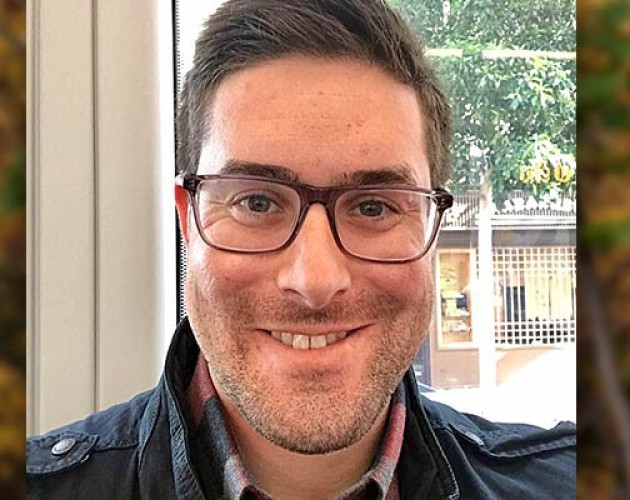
[314, 270]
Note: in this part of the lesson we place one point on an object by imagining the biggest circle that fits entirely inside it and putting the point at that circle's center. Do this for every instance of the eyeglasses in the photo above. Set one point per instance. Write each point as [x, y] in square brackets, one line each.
[244, 214]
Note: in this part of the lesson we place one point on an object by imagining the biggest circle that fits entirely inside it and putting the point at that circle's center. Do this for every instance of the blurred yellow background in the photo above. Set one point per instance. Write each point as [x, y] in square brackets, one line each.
[12, 246]
[604, 268]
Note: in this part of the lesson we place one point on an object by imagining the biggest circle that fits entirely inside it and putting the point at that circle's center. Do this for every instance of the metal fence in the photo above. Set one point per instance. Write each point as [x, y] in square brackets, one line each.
[534, 295]
[519, 209]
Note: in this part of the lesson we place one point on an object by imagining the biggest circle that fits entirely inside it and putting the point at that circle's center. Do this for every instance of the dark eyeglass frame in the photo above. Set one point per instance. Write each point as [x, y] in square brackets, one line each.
[327, 196]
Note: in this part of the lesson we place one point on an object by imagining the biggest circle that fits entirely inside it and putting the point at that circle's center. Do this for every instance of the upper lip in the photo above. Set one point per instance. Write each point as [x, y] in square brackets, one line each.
[313, 333]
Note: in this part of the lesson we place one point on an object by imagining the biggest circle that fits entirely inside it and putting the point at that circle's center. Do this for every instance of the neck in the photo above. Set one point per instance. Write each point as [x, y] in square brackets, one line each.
[286, 474]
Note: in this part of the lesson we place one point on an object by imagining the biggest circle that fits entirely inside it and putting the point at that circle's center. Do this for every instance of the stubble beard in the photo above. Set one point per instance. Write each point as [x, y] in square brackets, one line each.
[321, 415]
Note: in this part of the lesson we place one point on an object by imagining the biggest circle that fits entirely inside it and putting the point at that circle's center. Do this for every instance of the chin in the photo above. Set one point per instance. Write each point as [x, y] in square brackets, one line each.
[312, 422]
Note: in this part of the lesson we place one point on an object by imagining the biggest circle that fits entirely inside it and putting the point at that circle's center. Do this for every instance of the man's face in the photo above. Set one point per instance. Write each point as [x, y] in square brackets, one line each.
[321, 120]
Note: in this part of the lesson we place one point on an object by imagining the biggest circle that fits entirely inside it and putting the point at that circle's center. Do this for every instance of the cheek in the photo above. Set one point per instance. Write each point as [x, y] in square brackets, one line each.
[221, 273]
[408, 283]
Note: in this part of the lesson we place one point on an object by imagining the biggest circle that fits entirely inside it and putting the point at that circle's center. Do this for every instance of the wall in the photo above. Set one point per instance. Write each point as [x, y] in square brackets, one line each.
[101, 231]
[451, 368]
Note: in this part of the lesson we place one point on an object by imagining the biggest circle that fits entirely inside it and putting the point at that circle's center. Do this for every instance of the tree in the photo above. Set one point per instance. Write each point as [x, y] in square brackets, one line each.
[514, 111]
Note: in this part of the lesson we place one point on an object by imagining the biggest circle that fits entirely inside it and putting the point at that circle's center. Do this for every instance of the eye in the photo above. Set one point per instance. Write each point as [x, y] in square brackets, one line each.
[368, 211]
[373, 208]
[258, 203]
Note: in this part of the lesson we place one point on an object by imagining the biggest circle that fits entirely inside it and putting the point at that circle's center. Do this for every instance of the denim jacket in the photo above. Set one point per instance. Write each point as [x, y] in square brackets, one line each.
[141, 449]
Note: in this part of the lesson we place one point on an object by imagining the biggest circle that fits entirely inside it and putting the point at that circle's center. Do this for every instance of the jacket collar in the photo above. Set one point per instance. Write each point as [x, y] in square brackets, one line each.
[421, 449]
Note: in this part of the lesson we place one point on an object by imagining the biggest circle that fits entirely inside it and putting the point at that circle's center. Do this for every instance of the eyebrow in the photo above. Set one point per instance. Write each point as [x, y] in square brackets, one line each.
[392, 175]
[275, 172]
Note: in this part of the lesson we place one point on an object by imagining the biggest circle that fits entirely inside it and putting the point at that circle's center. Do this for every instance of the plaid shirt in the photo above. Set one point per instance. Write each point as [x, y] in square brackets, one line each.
[209, 424]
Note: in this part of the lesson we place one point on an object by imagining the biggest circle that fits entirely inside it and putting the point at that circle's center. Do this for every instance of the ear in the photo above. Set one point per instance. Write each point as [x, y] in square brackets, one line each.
[181, 202]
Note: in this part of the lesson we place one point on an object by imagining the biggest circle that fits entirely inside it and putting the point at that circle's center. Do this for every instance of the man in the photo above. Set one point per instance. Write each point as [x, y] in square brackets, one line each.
[312, 147]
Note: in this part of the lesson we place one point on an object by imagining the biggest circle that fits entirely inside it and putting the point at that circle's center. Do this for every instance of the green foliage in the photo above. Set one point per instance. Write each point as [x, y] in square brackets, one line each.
[504, 109]
[13, 190]
[540, 161]
[604, 237]
[525, 24]
[604, 96]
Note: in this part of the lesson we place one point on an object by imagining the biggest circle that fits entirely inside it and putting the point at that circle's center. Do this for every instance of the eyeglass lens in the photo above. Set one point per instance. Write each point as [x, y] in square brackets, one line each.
[255, 216]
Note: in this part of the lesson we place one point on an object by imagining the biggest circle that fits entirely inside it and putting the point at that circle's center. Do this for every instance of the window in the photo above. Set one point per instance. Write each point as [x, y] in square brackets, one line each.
[505, 262]
[455, 312]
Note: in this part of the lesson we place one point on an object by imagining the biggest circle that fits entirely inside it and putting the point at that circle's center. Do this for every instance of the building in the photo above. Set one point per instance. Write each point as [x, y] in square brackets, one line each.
[505, 281]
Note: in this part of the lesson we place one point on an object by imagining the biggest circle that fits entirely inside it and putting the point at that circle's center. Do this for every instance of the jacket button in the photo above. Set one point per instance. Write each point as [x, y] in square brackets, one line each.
[474, 438]
[62, 447]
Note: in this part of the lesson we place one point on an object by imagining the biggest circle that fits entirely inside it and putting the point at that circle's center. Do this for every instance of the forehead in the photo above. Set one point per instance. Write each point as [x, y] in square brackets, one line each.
[318, 118]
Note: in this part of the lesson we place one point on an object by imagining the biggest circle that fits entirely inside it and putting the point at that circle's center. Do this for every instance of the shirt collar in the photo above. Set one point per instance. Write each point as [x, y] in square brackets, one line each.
[203, 402]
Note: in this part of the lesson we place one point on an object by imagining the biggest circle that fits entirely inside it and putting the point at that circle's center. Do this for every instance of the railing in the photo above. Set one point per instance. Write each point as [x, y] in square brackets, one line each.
[535, 332]
[463, 213]
[519, 209]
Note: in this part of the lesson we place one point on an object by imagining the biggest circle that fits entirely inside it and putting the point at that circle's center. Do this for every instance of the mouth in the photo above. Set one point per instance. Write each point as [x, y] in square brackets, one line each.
[306, 342]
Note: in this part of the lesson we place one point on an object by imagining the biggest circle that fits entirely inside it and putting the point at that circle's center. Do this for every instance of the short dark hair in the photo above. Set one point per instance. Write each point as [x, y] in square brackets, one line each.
[244, 33]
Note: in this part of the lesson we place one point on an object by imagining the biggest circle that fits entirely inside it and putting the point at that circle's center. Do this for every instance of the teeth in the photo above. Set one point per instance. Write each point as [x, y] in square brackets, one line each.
[318, 341]
[300, 342]
[308, 341]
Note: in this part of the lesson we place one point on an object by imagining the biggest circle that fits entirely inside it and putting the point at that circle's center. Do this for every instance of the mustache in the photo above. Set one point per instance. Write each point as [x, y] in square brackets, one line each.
[361, 309]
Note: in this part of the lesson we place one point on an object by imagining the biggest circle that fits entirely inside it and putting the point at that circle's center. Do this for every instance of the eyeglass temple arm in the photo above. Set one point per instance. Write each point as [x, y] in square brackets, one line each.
[186, 182]
[444, 199]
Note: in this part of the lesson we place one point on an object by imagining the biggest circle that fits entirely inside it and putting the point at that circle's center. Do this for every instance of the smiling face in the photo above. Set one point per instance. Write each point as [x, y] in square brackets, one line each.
[320, 122]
